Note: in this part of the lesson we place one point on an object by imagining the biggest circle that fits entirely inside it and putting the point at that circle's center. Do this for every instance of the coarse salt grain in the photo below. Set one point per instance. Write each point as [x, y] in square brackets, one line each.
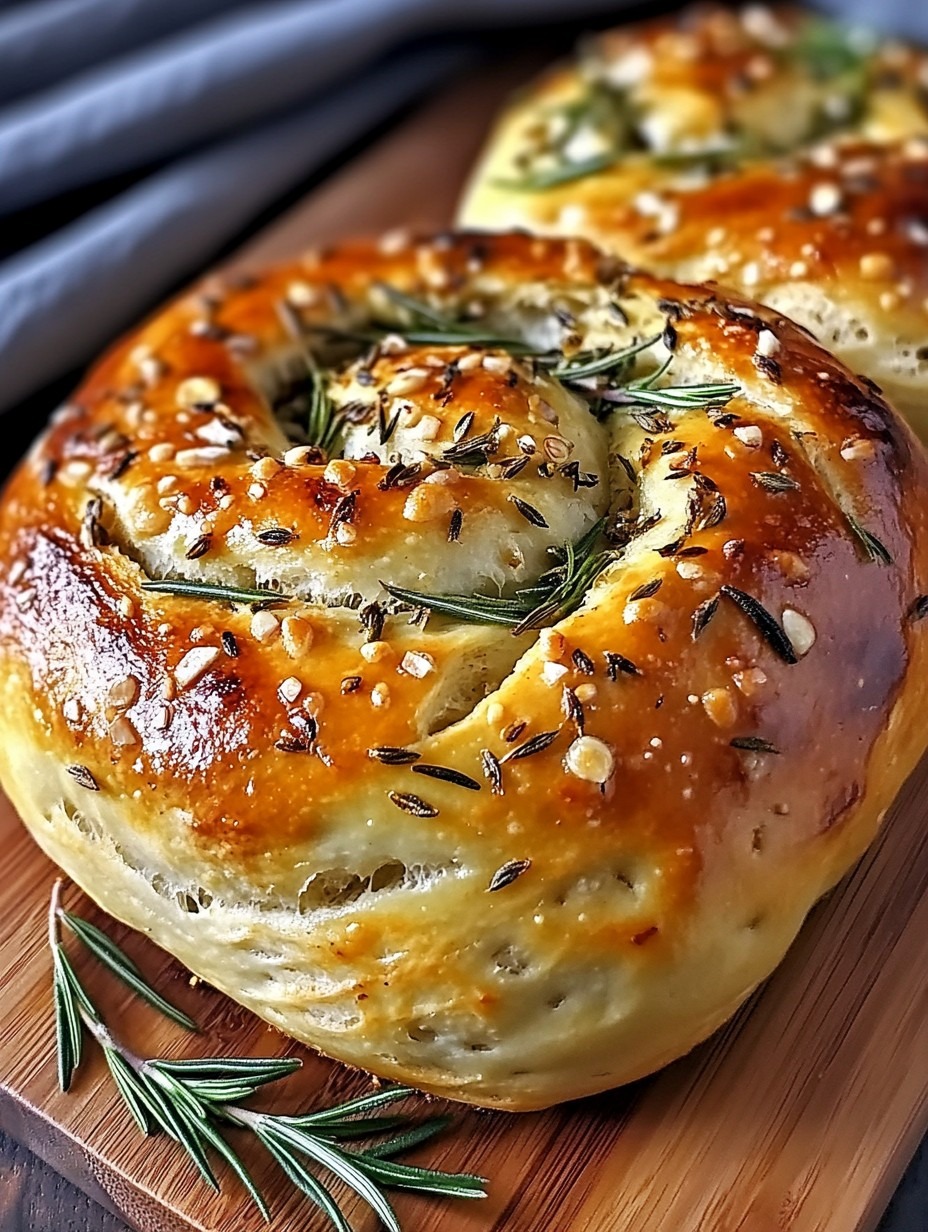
[297, 635]
[375, 652]
[427, 502]
[799, 629]
[339, 472]
[289, 690]
[194, 664]
[198, 391]
[265, 468]
[767, 343]
[202, 455]
[122, 693]
[551, 673]
[825, 199]
[417, 663]
[876, 265]
[264, 626]
[409, 382]
[590, 759]
[302, 294]
[749, 435]
[551, 643]
[299, 455]
[720, 706]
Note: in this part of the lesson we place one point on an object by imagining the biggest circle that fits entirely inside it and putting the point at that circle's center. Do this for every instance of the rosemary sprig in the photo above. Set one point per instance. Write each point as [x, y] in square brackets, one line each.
[564, 172]
[601, 109]
[192, 1100]
[557, 592]
[582, 367]
[124, 968]
[323, 422]
[673, 397]
[221, 594]
[428, 326]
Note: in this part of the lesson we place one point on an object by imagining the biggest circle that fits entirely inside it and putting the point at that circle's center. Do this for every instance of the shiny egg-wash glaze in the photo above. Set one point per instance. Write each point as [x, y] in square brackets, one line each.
[749, 164]
[647, 798]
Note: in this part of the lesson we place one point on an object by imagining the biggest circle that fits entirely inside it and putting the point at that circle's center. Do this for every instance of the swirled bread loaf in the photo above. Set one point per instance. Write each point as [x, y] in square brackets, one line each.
[767, 149]
[471, 655]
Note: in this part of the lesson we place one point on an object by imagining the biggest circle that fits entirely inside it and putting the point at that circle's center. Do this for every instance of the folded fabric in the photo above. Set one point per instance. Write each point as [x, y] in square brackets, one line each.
[95, 88]
[212, 78]
[63, 298]
[38, 45]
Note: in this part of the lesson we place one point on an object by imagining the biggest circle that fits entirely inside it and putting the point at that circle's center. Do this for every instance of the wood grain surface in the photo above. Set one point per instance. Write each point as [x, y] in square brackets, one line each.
[800, 1115]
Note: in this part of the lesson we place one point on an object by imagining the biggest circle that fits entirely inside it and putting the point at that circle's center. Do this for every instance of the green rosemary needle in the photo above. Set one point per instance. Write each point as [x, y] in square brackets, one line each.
[192, 1100]
[557, 592]
[553, 177]
[428, 326]
[222, 594]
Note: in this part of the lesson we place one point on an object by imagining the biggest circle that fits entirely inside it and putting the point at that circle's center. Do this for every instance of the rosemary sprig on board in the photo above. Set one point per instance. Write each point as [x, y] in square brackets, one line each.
[191, 1101]
[557, 592]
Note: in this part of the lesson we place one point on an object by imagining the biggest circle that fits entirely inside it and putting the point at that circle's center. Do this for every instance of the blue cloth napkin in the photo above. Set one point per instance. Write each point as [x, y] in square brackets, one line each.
[218, 107]
[221, 106]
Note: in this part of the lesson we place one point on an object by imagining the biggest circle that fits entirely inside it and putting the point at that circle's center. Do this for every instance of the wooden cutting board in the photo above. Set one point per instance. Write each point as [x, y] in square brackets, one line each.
[800, 1115]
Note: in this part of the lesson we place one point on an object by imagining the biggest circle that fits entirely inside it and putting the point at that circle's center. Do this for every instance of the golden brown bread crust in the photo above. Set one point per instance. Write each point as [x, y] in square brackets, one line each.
[733, 173]
[203, 771]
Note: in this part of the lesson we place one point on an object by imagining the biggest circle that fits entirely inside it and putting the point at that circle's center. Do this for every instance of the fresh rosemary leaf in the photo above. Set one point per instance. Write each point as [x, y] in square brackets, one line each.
[340, 1112]
[553, 177]
[112, 957]
[558, 592]
[423, 1180]
[207, 1067]
[68, 1031]
[409, 1138]
[192, 1100]
[222, 594]
[304, 1180]
[209, 1134]
[343, 1166]
[175, 1125]
[127, 1083]
[673, 397]
[432, 327]
[580, 367]
[362, 1127]
[474, 609]
[825, 49]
